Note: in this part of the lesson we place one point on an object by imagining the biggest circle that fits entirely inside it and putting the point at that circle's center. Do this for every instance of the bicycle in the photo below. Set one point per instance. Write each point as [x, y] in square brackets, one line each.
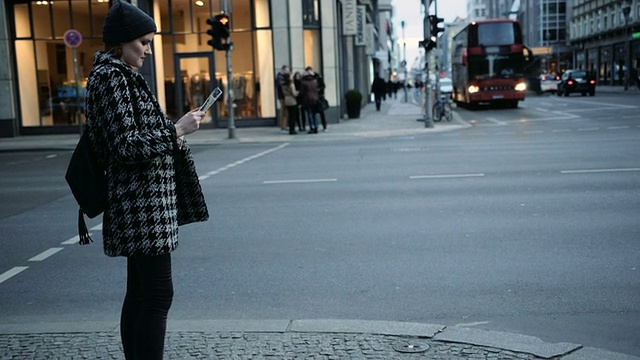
[442, 109]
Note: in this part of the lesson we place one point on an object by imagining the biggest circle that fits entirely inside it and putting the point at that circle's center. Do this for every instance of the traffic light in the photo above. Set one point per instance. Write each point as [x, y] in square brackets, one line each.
[431, 31]
[435, 29]
[219, 32]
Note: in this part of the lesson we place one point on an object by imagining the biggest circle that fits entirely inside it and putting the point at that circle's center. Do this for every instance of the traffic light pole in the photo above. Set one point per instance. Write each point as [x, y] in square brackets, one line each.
[231, 126]
[228, 47]
[428, 113]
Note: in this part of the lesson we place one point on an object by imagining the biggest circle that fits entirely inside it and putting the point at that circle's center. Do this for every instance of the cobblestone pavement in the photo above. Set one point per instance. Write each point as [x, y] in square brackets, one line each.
[246, 345]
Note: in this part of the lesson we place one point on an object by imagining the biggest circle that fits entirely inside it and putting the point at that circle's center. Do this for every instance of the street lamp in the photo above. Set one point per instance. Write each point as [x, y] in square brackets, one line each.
[404, 44]
[626, 10]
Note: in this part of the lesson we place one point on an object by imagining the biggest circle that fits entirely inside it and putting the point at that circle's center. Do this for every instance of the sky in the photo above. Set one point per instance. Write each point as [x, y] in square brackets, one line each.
[410, 12]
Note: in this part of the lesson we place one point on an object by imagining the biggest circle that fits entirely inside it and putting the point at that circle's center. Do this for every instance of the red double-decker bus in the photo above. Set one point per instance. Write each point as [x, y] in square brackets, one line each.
[488, 63]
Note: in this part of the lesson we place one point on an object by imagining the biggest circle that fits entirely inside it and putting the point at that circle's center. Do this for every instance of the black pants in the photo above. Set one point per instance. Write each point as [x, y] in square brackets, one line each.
[323, 119]
[143, 322]
[378, 99]
[293, 118]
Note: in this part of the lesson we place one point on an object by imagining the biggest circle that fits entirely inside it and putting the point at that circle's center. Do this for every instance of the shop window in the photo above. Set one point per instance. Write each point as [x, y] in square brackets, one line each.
[41, 21]
[49, 92]
[241, 15]
[262, 14]
[80, 19]
[312, 49]
[263, 58]
[310, 13]
[99, 11]
[23, 25]
[61, 18]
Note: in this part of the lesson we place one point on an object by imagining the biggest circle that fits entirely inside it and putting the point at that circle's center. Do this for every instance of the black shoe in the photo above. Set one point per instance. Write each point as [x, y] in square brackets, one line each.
[292, 132]
[315, 131]
[310, 131]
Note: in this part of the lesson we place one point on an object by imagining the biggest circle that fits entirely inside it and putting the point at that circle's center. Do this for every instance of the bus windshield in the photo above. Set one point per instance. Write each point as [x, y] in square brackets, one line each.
[496, 67]
[494, 34]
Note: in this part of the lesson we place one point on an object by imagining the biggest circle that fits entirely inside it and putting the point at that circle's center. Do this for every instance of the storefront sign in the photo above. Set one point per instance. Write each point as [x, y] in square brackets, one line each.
[361, 22]
[349, 9]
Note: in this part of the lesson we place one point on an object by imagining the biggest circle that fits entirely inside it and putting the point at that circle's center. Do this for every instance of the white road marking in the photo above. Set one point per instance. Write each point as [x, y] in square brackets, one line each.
[605, 106]
[302, 181]
[239, 162]
[561, 130]
[445, 176]
[97, 227]
[73, 240]
[45, 254]
[471, 324]
[617, 127]
[589, 129]
[11, 273]
[495, 121]
[598, 171]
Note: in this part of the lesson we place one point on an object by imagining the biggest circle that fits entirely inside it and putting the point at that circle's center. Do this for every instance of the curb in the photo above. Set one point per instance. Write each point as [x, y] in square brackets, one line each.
[490, 339]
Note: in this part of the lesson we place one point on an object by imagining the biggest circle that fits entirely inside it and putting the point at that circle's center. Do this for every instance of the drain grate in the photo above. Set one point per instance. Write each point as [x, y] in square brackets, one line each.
[410, 347]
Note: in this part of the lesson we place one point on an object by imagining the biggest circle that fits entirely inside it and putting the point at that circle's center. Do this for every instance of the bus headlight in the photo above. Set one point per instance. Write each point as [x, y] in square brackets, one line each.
[473, 89]
[521, 87]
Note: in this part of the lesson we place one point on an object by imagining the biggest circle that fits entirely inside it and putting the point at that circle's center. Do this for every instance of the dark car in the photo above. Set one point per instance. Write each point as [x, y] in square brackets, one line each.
[577, 81]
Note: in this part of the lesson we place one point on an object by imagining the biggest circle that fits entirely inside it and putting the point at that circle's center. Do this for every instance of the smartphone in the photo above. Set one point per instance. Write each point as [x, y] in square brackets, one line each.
[213, 97]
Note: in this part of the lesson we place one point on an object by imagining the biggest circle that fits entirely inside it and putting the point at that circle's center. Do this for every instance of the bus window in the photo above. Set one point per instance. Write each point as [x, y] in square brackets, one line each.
[500, 33]
[495, 67]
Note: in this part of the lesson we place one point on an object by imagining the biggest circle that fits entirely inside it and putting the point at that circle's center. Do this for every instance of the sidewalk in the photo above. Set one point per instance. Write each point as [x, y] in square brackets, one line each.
[289, 339]
[395, 119]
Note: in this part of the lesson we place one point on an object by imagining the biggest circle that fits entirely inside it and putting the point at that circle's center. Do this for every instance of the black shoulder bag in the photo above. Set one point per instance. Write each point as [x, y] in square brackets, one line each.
[88, 182]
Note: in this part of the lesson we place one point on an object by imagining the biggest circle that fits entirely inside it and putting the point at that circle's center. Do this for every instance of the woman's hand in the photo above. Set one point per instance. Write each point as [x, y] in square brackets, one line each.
[189, 123]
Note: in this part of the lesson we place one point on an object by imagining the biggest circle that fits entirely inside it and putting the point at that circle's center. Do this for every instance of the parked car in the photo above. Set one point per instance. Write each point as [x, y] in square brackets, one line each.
[577, 81]
[549, 83]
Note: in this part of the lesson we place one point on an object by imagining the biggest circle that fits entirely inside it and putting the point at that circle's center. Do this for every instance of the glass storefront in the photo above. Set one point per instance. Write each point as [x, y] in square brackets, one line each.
[185, 68]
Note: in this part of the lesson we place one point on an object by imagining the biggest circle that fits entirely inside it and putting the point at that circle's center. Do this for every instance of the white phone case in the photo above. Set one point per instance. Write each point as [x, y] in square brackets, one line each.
[213, 97]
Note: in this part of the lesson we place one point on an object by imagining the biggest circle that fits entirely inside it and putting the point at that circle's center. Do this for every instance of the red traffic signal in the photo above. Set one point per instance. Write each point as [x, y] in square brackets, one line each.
[219, 32]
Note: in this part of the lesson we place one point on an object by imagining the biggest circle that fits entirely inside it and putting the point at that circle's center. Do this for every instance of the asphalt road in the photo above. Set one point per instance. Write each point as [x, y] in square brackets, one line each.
[525, 222]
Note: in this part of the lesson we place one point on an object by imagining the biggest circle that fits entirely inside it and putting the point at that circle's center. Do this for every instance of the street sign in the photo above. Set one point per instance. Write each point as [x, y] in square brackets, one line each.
[72, 38]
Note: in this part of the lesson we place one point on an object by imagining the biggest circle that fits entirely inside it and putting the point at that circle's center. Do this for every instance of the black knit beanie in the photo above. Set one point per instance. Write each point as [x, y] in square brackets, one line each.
[125, 23]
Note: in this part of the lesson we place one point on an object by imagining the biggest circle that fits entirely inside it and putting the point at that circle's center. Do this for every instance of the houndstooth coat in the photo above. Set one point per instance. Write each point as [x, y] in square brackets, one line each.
[153, 186]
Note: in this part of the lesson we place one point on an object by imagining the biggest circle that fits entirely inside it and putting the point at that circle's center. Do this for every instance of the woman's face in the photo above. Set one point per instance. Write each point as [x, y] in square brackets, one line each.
[135, 51]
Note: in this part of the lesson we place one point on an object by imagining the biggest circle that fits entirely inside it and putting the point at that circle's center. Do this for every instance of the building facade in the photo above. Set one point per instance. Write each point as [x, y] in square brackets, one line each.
[44, 66]
[605, 36]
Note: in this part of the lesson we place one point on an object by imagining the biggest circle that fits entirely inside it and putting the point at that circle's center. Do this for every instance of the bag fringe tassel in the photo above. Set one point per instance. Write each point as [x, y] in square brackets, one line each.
[83, 232]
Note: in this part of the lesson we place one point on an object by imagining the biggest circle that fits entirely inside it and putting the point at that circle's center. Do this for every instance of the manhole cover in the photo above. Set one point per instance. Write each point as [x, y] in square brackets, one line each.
[410, 347]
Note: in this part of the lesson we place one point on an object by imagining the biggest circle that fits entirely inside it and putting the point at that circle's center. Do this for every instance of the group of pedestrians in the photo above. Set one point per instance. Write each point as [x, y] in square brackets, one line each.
[302, 100]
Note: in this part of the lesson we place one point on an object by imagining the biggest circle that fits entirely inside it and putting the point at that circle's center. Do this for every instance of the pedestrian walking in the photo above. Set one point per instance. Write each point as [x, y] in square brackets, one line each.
[291, 102]
[152, 182]
[309, 96]
[284, 70]
[379, 90]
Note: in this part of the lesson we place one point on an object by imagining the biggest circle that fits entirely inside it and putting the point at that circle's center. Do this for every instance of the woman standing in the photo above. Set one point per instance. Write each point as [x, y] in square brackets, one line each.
[152, 182]
[290, 93]
[309, 96]
[302, 117]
